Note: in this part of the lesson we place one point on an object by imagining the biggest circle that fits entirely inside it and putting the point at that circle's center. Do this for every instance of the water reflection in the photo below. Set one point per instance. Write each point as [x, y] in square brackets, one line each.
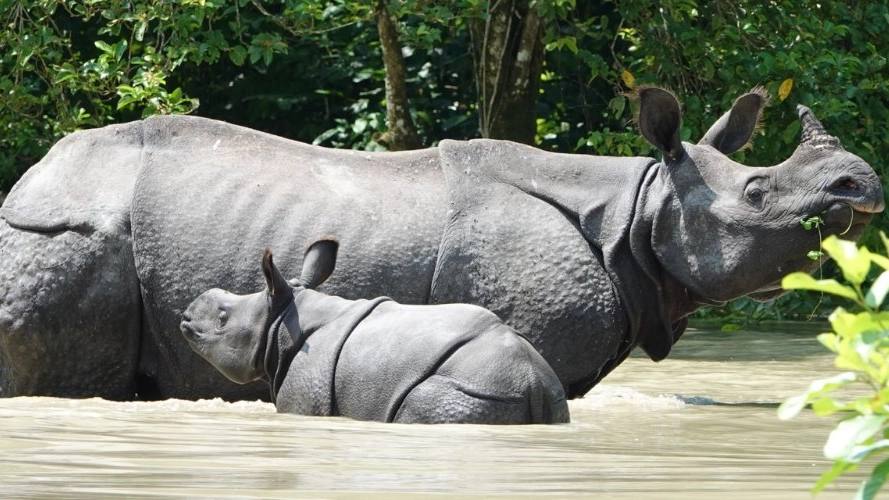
[700, 424]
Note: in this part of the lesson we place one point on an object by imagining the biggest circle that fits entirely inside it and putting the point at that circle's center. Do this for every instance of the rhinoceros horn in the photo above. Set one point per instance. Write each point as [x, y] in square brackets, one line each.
[814, 134]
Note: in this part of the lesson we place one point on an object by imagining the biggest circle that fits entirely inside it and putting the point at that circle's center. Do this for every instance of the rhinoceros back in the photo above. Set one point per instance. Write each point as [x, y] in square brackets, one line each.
[211, 196]
[396, 351]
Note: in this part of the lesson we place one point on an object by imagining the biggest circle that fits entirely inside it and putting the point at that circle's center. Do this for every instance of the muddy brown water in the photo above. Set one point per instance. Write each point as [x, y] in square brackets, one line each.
[701, 425]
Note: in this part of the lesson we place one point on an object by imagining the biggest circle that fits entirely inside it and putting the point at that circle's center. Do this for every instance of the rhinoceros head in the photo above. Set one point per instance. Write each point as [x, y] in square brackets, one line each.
[231, 331]
[723, 229]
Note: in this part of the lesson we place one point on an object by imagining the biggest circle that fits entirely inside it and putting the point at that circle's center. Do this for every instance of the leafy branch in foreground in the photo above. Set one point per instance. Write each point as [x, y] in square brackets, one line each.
[861, 342]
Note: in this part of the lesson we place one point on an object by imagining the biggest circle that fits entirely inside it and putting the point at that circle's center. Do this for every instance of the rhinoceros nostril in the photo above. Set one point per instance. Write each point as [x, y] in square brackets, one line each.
[845, 184]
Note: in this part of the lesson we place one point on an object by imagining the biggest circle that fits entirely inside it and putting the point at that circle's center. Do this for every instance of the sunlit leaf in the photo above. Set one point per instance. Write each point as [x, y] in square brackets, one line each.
[878, 290]
[139, 33]
[785, 88]
[628, 78]
[830, 341]
[827, 406]
[880, 260]
[859, 453]
[853, 261]
[830, 476]
[803, 281]
[849, 433]
[815, 254]
[792, 406]
[849, 325]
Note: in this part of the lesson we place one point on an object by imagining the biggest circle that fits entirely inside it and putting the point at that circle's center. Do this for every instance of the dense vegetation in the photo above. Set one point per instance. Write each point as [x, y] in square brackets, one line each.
[404, 73]
[860, 340]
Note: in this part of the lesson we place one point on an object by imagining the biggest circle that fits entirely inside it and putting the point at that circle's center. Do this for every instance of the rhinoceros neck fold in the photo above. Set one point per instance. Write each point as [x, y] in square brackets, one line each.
[307, 340]
[655, 303]
[279, 349]
[595, 199]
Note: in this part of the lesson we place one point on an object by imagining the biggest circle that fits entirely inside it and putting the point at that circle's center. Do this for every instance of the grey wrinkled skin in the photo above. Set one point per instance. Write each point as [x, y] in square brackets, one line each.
[373, 359]
[590, 256]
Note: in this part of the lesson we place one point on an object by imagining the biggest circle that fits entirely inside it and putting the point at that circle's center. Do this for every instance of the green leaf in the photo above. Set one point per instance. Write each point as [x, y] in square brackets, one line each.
[359, 126]
[120, 49]
[827, 406]
[853, 261]
[125, 102]
[813, 222]
[139, 34]
[880, 261]
[238, 55]
[874, 483]
[793, 405]
[848, 433]
[878, 291]
[803, 281]
[859, 453]
[104, 47]
[815, 254]
[830, 476]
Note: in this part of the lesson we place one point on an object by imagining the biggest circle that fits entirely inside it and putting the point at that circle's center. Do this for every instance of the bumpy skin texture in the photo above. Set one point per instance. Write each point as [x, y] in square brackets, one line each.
[70, 314]
[589, 256]
[449, 363]
[375, 359]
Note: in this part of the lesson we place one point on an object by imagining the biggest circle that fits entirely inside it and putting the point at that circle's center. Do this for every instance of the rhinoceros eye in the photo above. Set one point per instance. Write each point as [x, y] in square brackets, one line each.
[755, 192]
[221, 320]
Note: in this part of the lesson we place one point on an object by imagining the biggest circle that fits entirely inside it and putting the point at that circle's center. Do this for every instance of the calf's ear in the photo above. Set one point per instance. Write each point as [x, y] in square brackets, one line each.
[733, 130]
[278, 287]
[319, 263]
[660, 119]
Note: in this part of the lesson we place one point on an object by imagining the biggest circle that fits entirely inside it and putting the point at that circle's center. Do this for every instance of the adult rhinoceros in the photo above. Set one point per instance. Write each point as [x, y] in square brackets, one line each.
[106, 240]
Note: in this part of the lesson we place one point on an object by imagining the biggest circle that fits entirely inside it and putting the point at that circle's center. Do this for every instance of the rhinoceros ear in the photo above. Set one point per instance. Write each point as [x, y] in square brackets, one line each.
[733, 130]
[319, 262]
[660, 118]
[278, 287]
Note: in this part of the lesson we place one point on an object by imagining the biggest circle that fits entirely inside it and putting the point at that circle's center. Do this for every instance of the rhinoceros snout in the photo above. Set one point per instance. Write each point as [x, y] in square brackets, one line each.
[860, 190]
[188, 330]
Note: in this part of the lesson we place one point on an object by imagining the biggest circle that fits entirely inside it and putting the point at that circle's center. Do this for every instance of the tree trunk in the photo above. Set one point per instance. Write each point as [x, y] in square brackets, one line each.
[508, 57]
[401, 133]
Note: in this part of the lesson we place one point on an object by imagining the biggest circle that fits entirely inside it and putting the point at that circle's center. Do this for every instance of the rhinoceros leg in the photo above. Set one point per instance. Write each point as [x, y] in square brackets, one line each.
[69, 314]
[497, 378]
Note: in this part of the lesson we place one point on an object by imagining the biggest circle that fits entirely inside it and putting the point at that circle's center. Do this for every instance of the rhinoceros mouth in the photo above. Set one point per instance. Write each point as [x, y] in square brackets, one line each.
[190, 333]
[845, 218]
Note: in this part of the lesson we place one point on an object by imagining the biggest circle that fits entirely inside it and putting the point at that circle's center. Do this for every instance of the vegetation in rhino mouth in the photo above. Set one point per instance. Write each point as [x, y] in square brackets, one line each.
[814, 222]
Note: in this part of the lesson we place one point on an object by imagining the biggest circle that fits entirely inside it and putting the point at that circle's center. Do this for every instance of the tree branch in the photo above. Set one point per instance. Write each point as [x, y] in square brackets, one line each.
[402, 133]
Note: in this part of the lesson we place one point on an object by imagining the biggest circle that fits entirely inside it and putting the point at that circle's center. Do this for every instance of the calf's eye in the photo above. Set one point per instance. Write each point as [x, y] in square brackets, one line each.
[221, 319]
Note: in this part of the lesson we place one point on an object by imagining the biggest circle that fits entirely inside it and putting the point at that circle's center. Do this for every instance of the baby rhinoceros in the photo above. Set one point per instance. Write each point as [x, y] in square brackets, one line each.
[372, 359]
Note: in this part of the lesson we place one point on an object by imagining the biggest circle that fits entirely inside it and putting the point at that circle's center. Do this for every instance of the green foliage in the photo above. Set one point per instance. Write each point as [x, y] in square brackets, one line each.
[313, 71]
[68, 64]
[860, 341]
[833, 53]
